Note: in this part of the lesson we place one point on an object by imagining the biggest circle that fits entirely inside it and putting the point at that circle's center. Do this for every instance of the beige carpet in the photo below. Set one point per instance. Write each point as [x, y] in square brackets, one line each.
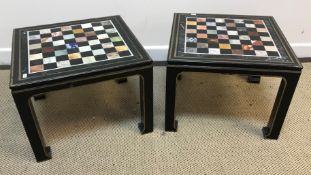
[93, 129]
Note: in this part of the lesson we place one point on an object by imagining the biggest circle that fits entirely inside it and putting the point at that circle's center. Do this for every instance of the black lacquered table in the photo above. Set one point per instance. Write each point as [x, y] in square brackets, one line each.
[57, 56]
[233, 44]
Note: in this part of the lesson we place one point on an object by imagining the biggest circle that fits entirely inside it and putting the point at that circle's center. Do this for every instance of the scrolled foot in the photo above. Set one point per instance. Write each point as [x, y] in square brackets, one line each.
[142, 128]
[267, 134]
[47, 156]
[172, 128]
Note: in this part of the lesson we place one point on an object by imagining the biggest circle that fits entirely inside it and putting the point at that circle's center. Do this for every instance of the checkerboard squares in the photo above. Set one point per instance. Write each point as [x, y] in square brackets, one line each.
[256, 43]
[81, 39]
[112, 30]
[76, 31]
[35, 46]
[210, 23]
[202, 45]
[229, 36]
[105, 23]
[213, 32]
[93, 42]
[56, 34]
[230, 24]
[70, 36]
[238, 21]
[271, 48]
[66, 28]
[60, 53]
[220, 20]
[241, 29]
[231, 32]
[85, 48]
[221, 27]
[107, 45]
[247, 47]
[191, 31]
[214, 51]
[89, 59]
[36, 56]
[258, 22]
[98, 52]
[74, 56]
[191, 39]
[201, 35]
[191, 23]
[122, 48]
[201, 27]
[234, 41]
[113, 55]
[87, 25]
[223, 37]
[45, 31]
[62, 64]
[34, 37]
[46, 40]
[261, 53]
[67, 46]
[201, 19]
[224, 46]
[250, 25]
[265, 38]
[191, 50]
[244, 37]
[58, 43]
[36, 68]
[103, 36]
[98, 28]
[116, 39]
[49, 60]
[262, 30]
[237, 51]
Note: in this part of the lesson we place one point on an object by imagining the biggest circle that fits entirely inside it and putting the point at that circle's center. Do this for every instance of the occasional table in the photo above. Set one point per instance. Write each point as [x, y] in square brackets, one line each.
[63, 55]
[233, 44]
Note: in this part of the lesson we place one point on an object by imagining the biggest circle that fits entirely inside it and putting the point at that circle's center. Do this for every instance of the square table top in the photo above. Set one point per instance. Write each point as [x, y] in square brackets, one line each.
[56, 51]
[237, 40]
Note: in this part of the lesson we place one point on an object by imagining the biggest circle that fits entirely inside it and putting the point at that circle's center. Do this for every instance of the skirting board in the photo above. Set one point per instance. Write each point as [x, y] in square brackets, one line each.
[5, 56]
[159, 53]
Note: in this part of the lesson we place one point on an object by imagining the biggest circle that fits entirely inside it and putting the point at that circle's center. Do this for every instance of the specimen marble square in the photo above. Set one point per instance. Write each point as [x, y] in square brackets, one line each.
[228, 36]
[72, 45]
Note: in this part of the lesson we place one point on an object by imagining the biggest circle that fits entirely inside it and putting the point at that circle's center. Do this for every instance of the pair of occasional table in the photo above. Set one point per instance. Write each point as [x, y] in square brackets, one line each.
[58, 56]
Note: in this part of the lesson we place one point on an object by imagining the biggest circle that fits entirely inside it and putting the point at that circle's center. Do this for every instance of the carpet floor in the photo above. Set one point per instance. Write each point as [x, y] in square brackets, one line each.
[92, 129]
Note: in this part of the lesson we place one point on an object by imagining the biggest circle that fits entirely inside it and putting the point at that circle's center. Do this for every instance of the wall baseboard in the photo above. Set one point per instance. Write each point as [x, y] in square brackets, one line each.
[302, 49]
[159, 53]
[5, 56]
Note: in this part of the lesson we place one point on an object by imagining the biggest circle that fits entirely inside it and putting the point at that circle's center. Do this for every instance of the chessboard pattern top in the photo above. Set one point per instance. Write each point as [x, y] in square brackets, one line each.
[72, 45]
[226, 36]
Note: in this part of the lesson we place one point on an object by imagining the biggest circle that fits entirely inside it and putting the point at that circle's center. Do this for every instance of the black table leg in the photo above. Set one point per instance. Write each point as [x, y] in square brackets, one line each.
[39, 97]
[253, 79]
[281, 105]
[121, 80]
[170, 122]
[146, 101]
[179, 77]
[32, 128]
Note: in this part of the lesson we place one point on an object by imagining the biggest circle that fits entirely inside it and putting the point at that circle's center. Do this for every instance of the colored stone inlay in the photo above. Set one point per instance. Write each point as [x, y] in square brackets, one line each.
[224, 36]
[67, 46]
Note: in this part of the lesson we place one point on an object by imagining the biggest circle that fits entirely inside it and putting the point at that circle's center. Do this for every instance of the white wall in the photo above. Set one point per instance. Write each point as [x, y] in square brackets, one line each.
[151, 20]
